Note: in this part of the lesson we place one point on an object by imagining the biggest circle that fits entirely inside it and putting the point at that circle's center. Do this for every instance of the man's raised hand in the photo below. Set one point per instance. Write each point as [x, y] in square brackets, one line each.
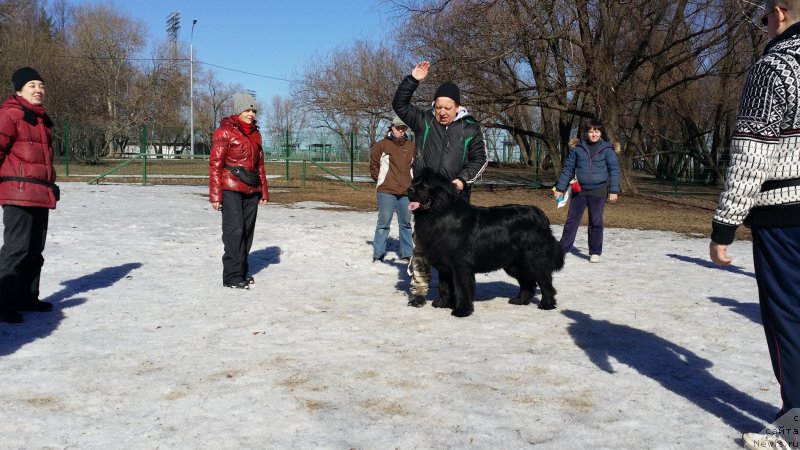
[421, 70]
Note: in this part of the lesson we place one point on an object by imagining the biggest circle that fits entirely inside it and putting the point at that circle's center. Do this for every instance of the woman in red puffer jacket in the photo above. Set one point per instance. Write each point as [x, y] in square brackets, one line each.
[27, 193]
[237, 185]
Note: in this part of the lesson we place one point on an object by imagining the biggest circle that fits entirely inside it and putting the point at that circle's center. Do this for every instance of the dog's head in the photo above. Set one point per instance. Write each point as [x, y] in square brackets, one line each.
[432, 191]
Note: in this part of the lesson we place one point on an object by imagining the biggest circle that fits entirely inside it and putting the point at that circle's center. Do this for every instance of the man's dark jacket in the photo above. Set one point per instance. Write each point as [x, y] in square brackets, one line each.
[455, 151]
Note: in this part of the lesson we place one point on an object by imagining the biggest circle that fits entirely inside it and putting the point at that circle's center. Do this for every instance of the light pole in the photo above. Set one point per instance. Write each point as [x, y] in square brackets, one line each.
[191, 89]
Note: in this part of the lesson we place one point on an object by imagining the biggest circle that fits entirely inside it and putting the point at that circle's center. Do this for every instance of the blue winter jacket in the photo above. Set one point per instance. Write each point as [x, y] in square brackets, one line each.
[604, 167]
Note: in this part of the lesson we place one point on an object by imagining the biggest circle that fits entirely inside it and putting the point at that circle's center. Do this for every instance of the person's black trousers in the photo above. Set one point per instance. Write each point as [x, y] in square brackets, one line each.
[21, 260]
[238, 222]
[776, 255]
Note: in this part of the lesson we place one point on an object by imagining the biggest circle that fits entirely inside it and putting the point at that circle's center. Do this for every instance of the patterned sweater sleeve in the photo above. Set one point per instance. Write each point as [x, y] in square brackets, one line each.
[753, 147]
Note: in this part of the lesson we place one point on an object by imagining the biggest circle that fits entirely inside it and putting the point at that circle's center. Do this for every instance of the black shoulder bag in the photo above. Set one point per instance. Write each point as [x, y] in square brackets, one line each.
[251, 178]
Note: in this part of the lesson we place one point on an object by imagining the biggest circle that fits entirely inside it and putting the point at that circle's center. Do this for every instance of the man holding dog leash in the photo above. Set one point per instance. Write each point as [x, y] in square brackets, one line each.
[237, 184]
[449, 140]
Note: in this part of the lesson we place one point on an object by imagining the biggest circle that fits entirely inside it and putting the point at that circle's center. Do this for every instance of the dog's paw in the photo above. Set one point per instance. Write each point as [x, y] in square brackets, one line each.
[462, 312]
[519, 301]
[417, 301]
[547, 306]
[441, 303]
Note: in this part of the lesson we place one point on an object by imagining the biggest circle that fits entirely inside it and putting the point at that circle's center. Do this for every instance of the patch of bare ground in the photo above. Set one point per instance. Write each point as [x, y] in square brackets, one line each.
[688, 214]
[660, 204]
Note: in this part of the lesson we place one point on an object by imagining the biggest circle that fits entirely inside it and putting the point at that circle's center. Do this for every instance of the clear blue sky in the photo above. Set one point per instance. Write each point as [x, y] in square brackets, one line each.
[269, 38]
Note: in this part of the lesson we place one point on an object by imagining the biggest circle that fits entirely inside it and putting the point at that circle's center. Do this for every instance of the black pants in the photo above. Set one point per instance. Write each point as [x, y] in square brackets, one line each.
[238, 222]
[577, 205]
[776, 254]
[21, 260]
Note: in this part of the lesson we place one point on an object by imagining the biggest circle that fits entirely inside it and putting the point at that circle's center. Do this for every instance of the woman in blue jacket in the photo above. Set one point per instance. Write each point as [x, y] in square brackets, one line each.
[594, 163]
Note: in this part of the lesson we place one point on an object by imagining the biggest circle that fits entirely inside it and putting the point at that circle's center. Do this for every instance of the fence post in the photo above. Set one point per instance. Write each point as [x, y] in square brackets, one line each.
[352, 152]
[304, 173]
[675, 147]
[143, 152]
[286, 133]
[66, 146]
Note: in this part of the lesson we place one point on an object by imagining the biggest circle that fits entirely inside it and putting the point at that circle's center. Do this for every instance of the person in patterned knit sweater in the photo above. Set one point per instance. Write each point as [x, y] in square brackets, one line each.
[762, 190]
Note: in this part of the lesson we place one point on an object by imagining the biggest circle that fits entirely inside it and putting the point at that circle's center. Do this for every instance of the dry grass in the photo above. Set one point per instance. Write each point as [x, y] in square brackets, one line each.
[688, 215]
[659, 206]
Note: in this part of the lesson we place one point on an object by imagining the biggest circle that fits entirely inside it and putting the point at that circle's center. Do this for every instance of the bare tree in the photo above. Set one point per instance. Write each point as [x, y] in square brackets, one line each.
[212, 103]
[14, 11]
[160, 94]
[571, 60]
[106, 42]
[351, 90]
[284, 122]
[26, 38]
[498, 52]
[638, 55]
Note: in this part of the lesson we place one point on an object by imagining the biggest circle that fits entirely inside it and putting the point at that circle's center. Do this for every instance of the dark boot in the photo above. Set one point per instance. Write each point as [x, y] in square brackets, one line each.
[10, 316]
[240, 285]
[35, 305]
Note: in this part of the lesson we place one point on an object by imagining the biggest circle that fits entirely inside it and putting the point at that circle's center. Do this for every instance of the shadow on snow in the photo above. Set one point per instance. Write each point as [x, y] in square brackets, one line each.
[261, 259]
[751, 311]
[711, 265]
[672, 366]
[40, 325]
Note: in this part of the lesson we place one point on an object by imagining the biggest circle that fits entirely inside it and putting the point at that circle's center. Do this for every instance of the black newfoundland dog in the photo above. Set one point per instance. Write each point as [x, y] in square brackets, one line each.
[461, 240]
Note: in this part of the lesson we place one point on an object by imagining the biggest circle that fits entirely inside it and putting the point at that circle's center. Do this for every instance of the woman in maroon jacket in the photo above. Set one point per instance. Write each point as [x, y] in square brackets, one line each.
[237, 184]
[27, 193]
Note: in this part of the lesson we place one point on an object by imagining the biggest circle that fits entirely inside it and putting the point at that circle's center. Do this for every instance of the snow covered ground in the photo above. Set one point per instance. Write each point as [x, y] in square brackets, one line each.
[652, 348]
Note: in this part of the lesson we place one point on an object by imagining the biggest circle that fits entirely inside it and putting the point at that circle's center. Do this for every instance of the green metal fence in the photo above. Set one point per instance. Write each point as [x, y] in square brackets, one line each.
[162, 155]
[148, 168]
[684, 170]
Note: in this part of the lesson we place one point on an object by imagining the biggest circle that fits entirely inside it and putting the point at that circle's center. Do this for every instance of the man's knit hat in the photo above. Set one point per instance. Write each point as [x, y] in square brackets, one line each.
[450, 90]
[397, 122]
[242, 101]
[22, 76]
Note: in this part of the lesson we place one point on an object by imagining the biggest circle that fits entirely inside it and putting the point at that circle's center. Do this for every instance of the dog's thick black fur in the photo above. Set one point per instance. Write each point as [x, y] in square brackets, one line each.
[461, 240]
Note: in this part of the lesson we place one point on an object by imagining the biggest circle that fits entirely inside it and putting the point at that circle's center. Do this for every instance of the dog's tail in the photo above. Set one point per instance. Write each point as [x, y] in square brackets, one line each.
[556, 254]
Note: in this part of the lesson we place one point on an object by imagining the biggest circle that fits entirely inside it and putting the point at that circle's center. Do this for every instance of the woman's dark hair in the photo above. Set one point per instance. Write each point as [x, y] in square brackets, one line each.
[594, 123]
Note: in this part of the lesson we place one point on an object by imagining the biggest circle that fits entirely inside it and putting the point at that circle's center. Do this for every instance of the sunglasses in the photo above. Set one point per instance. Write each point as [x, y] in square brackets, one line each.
[765, 17]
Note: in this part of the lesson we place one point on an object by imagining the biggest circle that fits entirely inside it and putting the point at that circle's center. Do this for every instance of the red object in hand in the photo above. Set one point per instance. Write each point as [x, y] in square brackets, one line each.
[576, 187]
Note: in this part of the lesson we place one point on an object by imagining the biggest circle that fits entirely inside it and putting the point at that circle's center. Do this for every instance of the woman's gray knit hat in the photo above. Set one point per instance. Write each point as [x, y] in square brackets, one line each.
[242, 101]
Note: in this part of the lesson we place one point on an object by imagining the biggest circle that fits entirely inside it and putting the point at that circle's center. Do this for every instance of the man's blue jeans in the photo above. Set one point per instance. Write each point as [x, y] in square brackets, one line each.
[387, 204]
